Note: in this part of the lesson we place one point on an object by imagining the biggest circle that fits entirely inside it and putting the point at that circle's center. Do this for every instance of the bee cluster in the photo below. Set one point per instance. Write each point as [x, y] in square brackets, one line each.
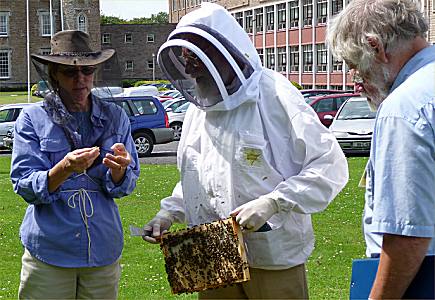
[205, 256]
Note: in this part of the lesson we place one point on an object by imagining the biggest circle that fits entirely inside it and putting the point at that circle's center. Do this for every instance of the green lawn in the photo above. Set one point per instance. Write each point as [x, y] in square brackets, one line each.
[338, 235]
[16, 97]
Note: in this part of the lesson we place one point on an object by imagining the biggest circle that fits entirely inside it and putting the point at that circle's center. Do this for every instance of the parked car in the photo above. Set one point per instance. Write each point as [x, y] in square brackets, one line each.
[172, 94]
[171, 105]
[353, 126]
[149, 121]
[320, 92]
[105, 92]
[327, 106]
[9, 139]
[176, 119]
[8, 115]
[41, 89]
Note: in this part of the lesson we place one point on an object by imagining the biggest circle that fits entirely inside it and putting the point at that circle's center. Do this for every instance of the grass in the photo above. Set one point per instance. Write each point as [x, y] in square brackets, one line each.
[16, 97]
[338, 237]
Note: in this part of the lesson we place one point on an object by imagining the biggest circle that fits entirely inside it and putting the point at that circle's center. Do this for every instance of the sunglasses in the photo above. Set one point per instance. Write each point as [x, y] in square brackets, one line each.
[74, 71]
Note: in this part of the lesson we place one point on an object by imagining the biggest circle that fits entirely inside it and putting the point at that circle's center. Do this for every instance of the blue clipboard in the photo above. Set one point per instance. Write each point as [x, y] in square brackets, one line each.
[364, 273]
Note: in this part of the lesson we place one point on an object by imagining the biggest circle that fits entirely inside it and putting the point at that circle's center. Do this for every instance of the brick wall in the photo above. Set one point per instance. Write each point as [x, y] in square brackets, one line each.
[16, 41]
[139, 51]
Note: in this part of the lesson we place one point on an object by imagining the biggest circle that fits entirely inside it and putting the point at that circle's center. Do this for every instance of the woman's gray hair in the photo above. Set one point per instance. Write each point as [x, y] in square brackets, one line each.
[390, 22]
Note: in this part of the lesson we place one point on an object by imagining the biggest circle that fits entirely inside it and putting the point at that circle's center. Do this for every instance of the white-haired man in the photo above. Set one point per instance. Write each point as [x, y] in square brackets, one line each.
[394, 66]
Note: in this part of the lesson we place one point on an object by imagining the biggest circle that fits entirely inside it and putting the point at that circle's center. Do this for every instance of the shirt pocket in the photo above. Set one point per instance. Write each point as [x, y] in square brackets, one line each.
[55, 148]
[253, 168]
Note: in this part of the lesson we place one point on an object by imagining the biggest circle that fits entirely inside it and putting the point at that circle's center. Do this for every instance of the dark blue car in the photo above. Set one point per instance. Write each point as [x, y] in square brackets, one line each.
[149, 122]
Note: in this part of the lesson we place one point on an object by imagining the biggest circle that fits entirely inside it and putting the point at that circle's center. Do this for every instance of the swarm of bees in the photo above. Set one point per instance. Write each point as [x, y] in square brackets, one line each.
[204, 257]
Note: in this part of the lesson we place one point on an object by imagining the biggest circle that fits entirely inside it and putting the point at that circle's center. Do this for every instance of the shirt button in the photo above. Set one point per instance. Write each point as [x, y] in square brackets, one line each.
[77, 234]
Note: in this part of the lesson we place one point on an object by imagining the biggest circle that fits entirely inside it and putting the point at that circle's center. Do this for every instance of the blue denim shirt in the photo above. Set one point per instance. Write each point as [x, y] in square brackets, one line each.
[78, 225]
[400, 194]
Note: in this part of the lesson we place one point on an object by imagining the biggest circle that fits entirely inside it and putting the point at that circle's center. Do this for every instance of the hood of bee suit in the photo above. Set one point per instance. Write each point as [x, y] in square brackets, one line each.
[215, 27]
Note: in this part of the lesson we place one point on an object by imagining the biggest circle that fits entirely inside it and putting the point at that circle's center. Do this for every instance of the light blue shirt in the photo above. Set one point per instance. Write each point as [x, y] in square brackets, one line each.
[400, 195]
[78, 225]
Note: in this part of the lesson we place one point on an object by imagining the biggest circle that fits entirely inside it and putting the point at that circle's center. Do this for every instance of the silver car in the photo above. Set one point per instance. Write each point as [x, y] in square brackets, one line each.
[353, 126]
[8, 114]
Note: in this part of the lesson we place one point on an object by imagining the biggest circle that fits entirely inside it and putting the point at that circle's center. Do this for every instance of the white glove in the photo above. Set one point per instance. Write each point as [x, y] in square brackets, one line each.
[254, 214]
[157, 226]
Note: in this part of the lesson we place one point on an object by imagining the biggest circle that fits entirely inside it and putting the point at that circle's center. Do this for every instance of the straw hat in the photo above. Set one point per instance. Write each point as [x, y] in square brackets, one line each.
[71, 47]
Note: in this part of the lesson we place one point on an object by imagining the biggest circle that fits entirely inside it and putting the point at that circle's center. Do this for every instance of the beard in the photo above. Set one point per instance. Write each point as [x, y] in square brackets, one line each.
[377, 88]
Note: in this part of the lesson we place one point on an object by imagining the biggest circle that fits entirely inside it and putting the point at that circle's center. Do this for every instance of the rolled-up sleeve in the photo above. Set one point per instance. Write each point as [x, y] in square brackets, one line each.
[128, 183]
[29, 166]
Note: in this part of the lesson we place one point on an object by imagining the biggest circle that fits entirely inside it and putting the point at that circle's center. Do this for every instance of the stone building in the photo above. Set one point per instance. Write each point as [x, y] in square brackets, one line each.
[136, 46]
[290, 35]
[74, 14]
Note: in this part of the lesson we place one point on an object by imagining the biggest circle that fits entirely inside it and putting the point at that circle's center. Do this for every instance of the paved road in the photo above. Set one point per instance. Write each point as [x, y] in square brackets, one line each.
[162, 154]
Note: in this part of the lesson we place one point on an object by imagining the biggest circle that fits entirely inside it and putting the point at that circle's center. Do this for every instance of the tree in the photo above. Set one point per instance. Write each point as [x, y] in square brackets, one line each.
[111, 20]
[160, 18]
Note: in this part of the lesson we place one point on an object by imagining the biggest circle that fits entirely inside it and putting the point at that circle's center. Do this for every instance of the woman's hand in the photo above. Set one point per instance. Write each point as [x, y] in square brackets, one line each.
[75, 161]
[118, 161]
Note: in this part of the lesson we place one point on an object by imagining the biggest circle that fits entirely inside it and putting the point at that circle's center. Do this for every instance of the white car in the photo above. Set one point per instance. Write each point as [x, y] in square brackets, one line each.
[353, 126]
[8, 115]
[176, 119]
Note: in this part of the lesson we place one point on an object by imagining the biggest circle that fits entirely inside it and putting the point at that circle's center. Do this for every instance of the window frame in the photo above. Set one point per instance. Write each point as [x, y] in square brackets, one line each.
[8, 66]
[106, 38]
[82, 22]
[43, 15]
[129, 65]
[5, 15]
[130, 40]
[307, 58]
[151, 38]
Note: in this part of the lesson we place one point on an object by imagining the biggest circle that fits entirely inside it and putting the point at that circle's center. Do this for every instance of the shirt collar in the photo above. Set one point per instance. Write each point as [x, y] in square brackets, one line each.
[419, 60]
[97, 114]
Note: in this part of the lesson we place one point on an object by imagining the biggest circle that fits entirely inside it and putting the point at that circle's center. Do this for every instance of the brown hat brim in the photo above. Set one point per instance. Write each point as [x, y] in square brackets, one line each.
[89, 59]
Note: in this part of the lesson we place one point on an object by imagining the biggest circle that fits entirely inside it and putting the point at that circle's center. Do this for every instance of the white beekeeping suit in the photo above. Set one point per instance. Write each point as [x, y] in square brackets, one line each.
[256, 139]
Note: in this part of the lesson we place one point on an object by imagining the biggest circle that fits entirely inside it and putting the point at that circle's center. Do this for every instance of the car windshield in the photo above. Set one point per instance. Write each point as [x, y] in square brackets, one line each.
[167, 103]
[356, 110]
[182, 108]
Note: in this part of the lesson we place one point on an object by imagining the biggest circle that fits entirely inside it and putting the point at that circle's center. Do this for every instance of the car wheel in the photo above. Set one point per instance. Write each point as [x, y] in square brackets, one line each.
[144, 144]
[177, 130]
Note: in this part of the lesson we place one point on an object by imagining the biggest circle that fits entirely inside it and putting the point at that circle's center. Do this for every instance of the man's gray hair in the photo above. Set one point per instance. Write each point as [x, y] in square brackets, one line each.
[390, 22]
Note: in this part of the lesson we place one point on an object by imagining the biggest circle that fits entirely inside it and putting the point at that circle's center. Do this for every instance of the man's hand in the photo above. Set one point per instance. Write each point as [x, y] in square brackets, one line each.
[401, 258]
[157, 226]
[252, 215]
[118, 161]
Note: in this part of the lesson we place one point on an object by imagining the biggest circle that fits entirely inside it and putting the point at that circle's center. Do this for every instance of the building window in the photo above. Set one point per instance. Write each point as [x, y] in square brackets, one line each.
[282, 59]
[337, 65]
[322, 11]
[258, 20]
[239, 18]
[294, 13]
[150, 64]
[106, 38]
[322, 58]
[261, 54]
[4, 23]
[82, 22]
[270, 58]
[44, 23]
[248, 21]
[270, 17]
[294, 58]
[307, 12]
[107, 66]
[5, 66]
[321, 87]
[150, 38]
[307, 54]
[174, 5]
[281, 15]
[337, 6]
[128, 38]
[129, 65]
